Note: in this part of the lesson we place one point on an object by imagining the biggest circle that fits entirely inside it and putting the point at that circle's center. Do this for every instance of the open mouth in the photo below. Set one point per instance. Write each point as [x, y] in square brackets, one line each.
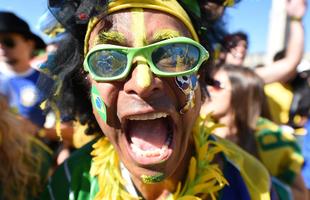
[149, 137]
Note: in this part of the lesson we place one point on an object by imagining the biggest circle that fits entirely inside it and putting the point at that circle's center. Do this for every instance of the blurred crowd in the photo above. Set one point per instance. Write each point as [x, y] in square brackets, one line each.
[262, 109]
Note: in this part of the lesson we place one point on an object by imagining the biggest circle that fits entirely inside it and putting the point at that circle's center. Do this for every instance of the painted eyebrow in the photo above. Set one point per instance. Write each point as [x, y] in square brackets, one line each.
[165, 34]
[110, 37]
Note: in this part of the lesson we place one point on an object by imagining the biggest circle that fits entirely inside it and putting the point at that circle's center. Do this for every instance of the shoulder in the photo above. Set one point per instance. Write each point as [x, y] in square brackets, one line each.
[253, 173]
[79, 159]
[271, 136]
[72, 177]
[277, 88]
[278, 150]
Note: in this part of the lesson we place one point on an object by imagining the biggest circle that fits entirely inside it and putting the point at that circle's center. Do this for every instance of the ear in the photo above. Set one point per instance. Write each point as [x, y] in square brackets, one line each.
[31, 47]
[30, 43]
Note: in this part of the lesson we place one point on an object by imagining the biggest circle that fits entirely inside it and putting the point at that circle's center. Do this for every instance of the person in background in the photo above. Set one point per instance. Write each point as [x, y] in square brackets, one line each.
[237, 101]
[289, 104]
[139, 89]
[25, 161]
[18, 46]
[235, 47]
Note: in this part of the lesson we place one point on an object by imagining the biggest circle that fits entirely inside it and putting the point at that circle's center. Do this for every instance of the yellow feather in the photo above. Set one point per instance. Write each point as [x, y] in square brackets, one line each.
[201, 188]
[192, 169]
[202, 152]
[206, 177]
[188, 197]
[176, 193]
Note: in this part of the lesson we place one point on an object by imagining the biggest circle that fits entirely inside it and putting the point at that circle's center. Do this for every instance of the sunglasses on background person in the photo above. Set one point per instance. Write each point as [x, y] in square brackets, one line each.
[8, 42]
[168, 58]
[216, 84]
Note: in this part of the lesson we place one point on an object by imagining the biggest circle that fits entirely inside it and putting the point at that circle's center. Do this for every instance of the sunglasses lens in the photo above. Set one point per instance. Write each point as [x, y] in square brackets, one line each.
[107, 63]
[8, 42]
[176, 57]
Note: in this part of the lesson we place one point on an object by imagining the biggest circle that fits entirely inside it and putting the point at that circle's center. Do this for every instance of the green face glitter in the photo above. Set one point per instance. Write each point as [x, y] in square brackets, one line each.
[152, 179]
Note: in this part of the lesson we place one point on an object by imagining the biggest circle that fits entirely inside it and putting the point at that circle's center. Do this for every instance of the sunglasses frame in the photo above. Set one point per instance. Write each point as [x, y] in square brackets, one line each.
[146, 52]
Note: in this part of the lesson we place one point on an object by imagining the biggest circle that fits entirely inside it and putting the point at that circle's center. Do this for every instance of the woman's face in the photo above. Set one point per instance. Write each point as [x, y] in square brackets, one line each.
[237, 54]
[219, 102]
[143, 120]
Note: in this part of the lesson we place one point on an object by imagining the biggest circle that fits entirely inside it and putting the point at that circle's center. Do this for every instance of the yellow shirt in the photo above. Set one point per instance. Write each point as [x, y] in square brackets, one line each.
[279, 97]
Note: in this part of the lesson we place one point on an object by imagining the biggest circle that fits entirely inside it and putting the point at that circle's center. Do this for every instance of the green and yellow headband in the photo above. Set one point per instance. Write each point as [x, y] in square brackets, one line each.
[171, 7]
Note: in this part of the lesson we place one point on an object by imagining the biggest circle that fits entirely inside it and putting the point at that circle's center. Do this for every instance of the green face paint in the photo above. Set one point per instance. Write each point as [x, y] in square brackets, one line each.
[152, 179]
[98, 103]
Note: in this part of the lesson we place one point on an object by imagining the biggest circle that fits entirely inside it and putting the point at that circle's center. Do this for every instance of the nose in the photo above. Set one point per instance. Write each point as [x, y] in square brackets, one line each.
[142, 81]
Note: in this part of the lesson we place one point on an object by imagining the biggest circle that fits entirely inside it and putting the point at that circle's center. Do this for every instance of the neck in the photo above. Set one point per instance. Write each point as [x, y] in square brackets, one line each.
[162, 189]
[15, 67]
[20, 68]
[229, 131]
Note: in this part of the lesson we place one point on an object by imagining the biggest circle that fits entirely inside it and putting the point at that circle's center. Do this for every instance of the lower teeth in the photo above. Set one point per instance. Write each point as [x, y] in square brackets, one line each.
[152, 153]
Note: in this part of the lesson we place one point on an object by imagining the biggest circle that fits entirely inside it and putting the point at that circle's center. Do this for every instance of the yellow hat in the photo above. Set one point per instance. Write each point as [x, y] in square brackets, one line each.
[171, 7]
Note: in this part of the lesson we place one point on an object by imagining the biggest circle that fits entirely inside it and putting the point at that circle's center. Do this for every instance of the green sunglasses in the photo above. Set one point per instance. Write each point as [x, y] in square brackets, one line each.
[168, 58]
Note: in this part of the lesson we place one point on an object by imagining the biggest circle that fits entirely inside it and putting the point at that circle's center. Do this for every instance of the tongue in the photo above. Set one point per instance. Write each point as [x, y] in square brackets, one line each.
[148, 134]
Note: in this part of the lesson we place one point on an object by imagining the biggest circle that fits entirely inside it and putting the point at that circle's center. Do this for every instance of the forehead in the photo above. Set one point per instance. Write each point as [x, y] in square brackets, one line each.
[242, 42]
[10, 35]
[128, 24]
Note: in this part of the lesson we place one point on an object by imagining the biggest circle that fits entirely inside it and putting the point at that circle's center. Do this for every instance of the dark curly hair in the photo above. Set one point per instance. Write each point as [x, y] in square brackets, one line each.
[231, 40]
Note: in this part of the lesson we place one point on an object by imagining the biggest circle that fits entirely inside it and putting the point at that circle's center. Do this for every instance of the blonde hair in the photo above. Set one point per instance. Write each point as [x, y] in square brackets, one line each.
[19, 171]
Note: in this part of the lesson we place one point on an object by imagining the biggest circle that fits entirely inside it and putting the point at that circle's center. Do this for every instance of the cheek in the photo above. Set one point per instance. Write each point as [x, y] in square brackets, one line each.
[222, 104]
[225, 103]
[218, 103]
[108, 93]
[25, 50]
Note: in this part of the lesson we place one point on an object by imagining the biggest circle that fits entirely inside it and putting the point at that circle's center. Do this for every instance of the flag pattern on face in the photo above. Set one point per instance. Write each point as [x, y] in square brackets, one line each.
[187, 84]
[98, 103]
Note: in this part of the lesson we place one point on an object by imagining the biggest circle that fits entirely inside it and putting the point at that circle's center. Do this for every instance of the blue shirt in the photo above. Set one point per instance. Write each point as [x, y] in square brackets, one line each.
[24, 95]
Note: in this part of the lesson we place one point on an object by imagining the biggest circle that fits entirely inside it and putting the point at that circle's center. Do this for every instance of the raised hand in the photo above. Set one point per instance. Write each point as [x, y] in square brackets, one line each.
[296, 8]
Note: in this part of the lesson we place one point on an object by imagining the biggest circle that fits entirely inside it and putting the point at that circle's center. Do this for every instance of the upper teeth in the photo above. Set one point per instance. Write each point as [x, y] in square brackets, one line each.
[148, 116]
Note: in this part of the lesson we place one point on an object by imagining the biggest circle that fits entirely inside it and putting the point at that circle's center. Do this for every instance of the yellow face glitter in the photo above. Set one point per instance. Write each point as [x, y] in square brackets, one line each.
[144, 73]
[110, 37]
[165, 34]
[138, 27]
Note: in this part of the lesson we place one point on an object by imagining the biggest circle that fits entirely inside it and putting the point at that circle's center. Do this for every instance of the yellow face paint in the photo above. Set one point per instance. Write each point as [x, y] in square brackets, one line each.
[165, 34]
[138, 27]
[144, 73]
[110, 37]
